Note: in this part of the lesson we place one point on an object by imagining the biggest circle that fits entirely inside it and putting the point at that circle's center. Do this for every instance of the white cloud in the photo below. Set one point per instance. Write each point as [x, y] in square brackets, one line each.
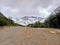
[43, 10]
[14, 10]
[8, 11]
[18, 8]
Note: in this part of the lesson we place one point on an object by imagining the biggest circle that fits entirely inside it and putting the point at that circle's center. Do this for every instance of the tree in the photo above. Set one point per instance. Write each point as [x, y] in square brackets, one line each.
[37, 25]
[53, 21]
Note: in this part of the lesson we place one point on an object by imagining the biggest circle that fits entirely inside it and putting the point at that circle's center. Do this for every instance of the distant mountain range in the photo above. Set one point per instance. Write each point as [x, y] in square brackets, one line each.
[28, 20]
[23, 20]
[32, 19]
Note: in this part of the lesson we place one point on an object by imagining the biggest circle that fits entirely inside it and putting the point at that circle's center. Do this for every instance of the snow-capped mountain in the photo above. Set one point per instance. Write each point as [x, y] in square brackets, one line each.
[32, 19]
[27, 20]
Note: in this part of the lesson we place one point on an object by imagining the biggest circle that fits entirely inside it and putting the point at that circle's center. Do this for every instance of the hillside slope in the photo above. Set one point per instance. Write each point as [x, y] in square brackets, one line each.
[5, 21]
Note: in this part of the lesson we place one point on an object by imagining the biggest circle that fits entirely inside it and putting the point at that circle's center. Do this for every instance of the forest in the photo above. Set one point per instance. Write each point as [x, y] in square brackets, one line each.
[53, 21]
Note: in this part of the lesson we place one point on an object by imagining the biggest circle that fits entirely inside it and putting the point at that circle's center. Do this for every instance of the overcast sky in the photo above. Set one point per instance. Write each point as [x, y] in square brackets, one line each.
[19, 8]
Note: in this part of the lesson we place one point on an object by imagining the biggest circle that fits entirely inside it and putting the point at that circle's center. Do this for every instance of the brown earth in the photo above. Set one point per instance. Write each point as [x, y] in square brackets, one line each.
[29, 36]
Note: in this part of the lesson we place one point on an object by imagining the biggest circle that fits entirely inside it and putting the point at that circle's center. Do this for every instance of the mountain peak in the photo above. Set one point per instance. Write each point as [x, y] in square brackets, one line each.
[28, 20]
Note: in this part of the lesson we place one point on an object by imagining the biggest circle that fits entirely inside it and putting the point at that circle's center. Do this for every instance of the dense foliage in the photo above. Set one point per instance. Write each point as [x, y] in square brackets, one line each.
[37, 25]
[6, 22]
[53, 21]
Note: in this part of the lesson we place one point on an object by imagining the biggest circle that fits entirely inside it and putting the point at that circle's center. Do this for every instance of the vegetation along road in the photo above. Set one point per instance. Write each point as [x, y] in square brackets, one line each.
[29, 36]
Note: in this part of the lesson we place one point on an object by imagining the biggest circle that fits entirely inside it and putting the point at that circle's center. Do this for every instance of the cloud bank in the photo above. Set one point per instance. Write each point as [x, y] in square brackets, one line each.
[19, 8]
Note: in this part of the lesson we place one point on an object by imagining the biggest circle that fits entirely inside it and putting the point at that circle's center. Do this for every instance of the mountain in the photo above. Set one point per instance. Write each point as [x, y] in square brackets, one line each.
[1, 15]
[28, 20]
[5, 21]
[22, 20]
[56, 10]
[53, 21]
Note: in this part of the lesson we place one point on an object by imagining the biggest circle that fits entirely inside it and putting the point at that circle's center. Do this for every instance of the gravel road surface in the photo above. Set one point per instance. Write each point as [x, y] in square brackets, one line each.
[29, 36]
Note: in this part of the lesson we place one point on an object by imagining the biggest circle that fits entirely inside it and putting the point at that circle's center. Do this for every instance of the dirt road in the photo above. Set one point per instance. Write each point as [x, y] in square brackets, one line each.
[29, 36]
